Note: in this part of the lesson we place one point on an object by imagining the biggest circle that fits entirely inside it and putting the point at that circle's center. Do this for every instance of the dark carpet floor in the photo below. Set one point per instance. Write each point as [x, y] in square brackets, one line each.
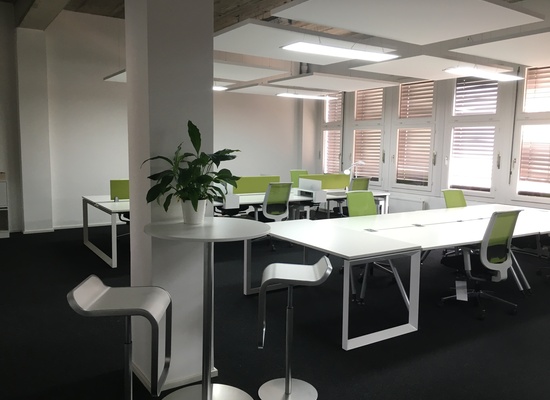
[47, 351]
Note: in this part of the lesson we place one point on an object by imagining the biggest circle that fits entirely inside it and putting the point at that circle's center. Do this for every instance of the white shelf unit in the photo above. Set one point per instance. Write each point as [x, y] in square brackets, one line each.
[4, 221]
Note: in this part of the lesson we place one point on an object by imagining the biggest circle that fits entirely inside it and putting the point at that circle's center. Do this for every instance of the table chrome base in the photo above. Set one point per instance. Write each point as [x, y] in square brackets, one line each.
[219, 392]
[275, 390]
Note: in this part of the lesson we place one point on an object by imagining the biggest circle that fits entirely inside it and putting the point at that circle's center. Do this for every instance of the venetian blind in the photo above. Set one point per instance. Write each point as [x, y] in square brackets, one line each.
[416, 100]
[534, 168]
[333, 109]
[332, 140]
[413, 156]
[475, 96]
[367, 147]
[368, 104]
[537, 90]
[471, 162]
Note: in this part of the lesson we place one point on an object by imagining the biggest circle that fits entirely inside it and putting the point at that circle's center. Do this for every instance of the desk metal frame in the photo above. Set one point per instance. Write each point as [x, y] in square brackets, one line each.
[113, 208]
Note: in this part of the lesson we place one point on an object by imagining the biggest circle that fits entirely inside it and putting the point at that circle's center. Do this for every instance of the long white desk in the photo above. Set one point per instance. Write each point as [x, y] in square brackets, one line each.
[356, 248]
[113, 208]
[257, 199]
[388, 236]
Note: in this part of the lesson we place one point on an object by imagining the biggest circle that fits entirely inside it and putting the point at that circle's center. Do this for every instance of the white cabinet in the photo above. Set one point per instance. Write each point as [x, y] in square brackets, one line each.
[4, 222]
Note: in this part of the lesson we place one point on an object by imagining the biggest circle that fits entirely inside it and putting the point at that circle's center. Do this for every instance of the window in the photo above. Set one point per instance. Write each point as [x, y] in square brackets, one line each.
[471, 160]
[537, 90]
[368, 104]
[367, 148]
[416, 100]
[534, 163]
[475, 96]
[332, 135]
[331, 151]
[414, 156]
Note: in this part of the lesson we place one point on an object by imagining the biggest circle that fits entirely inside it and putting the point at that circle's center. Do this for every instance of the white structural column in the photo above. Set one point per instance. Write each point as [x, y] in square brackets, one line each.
[35, 134]
[169, 64]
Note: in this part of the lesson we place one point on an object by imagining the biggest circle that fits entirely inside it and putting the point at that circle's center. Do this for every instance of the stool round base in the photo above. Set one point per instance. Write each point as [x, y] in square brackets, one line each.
[219, 392]
[275, 390]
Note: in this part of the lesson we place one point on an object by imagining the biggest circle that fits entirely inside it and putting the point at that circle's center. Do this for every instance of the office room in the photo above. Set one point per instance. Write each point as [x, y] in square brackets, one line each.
[66, 132]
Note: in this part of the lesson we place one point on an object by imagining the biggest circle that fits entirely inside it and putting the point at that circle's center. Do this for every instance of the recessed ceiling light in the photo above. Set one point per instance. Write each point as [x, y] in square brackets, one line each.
[306, 96]
[320, 49]
[482, 73]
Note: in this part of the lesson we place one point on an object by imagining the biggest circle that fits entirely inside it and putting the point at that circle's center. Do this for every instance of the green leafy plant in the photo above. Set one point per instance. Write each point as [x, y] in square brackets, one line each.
[191, 176]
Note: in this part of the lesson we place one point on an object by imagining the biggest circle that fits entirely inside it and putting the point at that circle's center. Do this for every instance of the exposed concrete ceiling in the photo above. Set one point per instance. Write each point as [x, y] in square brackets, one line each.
[427, 35]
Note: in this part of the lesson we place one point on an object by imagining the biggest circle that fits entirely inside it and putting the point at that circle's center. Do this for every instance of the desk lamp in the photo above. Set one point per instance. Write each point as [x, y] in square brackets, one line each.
[349, 170]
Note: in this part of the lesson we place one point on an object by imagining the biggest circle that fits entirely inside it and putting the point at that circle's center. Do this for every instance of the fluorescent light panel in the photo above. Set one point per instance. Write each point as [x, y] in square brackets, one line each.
[217, 88]
[482, 73]
[305, 96]
[320, 49]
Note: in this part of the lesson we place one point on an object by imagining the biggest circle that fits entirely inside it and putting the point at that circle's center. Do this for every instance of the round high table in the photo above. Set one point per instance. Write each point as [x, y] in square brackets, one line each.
[214, 229]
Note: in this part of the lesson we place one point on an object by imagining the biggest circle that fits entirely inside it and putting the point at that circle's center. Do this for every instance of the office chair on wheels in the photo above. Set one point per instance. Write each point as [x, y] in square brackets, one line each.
[491, 262]
[275, 206]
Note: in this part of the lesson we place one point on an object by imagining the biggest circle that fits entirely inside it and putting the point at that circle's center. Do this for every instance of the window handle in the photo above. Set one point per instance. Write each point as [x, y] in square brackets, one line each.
[498, 161]
[434, 157]
[383, 156]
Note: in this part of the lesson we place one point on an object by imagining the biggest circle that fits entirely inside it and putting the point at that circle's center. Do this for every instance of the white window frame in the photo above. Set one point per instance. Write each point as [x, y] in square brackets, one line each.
[422, 122]
[327, 127]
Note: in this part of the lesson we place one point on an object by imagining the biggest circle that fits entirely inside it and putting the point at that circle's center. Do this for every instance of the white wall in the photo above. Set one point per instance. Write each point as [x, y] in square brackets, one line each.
[263, 128]
[88, 118]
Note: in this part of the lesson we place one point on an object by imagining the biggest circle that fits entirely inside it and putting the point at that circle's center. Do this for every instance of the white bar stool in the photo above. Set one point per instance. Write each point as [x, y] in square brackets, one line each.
[92, 298]
[290, 275]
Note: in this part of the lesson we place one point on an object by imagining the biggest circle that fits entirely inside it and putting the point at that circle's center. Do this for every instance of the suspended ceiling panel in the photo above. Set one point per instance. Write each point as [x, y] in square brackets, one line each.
[421, 67]
[272, 90]
[333, 83]
[417, 21]
[243, 73]
[532, 50]
[262, 39]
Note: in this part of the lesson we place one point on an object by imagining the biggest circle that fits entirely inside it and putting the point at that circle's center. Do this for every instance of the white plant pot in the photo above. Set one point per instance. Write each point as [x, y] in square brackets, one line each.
[192, 217]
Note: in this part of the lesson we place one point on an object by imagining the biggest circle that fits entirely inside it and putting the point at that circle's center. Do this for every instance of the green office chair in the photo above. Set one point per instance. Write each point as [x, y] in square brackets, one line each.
[359, 183]
[454, 198]
[492, 261]
[362, 203]
[275, 205]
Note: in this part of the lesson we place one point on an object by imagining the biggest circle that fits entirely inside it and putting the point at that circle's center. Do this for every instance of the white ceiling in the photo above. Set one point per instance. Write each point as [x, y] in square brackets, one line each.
[427, 35]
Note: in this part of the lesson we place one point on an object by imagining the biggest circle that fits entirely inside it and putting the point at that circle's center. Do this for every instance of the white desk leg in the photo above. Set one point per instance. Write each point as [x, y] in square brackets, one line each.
[114, 257]
[85, 221]
[412, 324]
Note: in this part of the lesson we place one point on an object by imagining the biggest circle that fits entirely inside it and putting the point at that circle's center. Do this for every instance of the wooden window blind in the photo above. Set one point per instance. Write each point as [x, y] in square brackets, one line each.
[367, 145]
[416, 100]
[534, 164]
[332, 144]
[414, 156]
[369, 104]
[333, 109]
[471, 161]
[537, 90]
[475, 96]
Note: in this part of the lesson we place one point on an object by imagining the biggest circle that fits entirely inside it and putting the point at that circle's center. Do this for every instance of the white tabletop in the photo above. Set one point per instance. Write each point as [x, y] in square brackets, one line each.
[214, 229]
[105, 203]
[340, 242]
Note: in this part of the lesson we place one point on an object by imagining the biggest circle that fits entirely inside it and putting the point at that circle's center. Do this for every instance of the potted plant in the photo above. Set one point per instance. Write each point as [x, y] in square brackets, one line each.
[192, 178]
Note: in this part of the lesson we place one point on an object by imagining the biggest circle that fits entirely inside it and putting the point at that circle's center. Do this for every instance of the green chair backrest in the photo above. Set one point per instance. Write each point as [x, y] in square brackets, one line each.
[331, 181]
[295, 176]
[498, 237]
[454, 198]
[276, 200]
[120, 189]
[255, 184]
[360, 203]
[360, 183]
